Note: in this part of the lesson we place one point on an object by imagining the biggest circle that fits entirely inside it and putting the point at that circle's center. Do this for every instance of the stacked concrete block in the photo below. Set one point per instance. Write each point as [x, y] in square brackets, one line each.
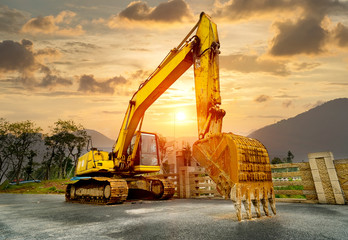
[325, 178]
[342, 173]
[307, 181]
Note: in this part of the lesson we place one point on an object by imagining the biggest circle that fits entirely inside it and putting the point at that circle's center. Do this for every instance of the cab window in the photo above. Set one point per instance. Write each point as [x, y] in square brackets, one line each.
[149, 153]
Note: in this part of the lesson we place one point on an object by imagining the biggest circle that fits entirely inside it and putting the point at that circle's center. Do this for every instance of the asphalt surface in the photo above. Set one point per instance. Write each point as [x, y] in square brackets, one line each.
[50, 217]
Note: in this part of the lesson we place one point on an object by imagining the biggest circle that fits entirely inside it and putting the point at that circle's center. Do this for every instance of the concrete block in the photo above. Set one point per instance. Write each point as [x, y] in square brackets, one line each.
[332, 174]
[329, 163]
[321, 198]
[316, 176]
[320, 155]
[313, 164]
[319, 187]
[339, 199]
[336, 188]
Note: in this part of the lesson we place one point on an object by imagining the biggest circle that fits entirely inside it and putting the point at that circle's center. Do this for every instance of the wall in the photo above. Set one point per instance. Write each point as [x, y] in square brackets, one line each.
[323, 180]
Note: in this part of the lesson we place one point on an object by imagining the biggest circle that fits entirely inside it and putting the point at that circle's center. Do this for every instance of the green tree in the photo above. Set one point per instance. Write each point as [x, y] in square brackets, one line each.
[276, 160]
[29, 169]
[18, 143]
[64, 146]
[4, 155]
[290, 157]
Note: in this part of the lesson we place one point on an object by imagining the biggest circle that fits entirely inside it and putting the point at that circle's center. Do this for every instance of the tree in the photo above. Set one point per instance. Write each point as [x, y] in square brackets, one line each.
[290, 157]
[4, 157]
[162, 141]
[186, 152]
[276, 160]
[29, 169]
[64, 146]
[17, 144]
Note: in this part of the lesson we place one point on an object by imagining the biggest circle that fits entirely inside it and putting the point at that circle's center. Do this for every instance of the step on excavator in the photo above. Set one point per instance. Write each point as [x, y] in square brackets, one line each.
[238, 165]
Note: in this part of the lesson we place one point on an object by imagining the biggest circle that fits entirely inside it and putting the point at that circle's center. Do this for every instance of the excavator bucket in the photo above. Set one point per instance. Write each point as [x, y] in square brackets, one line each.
[240, 168]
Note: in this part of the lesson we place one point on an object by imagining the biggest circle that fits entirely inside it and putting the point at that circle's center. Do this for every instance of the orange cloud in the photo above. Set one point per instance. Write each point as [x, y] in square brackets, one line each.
[253, 63]
[341, 35]
[21, 58]
[58, 25]
[88, 84]
[140, 14]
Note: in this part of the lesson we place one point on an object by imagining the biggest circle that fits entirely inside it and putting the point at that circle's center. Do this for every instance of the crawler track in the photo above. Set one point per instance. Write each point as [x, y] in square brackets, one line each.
[167, 188]
[97, 190]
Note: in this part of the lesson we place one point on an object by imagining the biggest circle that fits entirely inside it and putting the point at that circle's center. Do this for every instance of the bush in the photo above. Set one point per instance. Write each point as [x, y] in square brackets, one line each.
[295, 187]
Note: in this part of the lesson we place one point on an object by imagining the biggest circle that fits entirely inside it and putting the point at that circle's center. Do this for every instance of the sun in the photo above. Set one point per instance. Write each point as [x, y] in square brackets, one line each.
[180, 116]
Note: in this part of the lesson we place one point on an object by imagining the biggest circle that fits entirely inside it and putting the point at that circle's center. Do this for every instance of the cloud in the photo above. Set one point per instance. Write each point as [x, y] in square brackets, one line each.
[88, 84]
[287, 103]
[238, 10]
[11, 20]
[113, 112]
[51, 80]
[306, 36]
[58, 25]
[253, 63]
[139, 13]
[262, 98]
[301, 25]
[17, 56]
[285, 96]
[139, 75]
[316, 104]
[265, 116]
[82, 45]
[340, 34]
[339, 83]
[21, 58]
[305, 66]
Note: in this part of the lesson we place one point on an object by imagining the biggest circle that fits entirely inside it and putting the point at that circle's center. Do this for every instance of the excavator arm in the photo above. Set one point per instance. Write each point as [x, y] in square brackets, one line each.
[238, 165]
[201, 50]
[175, 64]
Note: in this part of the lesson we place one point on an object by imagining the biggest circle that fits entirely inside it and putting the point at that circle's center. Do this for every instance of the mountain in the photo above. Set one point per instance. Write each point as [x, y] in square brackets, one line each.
[323, 128]
[100, 141]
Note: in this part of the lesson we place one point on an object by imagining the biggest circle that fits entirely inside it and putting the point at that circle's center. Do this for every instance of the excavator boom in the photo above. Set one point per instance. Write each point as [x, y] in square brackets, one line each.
[238, 165]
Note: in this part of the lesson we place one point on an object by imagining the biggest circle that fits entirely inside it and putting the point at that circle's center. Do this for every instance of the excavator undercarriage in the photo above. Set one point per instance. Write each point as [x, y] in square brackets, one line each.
[104, 190]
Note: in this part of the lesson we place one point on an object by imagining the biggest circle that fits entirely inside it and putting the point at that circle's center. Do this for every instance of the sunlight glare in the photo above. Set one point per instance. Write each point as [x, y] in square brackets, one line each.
[180, 116]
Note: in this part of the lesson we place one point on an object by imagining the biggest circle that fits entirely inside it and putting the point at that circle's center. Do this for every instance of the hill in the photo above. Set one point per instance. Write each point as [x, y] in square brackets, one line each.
[100, 141]
[323, 128]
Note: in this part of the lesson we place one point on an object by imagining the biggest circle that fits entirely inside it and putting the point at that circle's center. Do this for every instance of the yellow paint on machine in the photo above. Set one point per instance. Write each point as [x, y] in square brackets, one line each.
[143, 168]
[94, 161]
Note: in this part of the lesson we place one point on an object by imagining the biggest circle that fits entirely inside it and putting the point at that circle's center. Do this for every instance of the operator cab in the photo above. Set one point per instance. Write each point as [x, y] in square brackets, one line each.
[146, 157]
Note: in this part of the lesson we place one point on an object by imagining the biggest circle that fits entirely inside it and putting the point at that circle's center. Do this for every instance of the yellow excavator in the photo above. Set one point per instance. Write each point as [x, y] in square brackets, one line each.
[238, 165]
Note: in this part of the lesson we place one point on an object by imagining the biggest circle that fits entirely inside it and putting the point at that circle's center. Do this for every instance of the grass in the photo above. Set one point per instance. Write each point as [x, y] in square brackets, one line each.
[290, 196]
[294, 187]
[44, 187]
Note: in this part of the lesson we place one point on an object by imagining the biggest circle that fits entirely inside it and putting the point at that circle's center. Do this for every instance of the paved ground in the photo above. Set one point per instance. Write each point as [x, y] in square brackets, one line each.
[49, 217]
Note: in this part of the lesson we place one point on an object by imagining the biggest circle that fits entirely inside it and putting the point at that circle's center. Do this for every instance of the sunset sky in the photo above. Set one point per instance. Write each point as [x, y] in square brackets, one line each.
[83, 60]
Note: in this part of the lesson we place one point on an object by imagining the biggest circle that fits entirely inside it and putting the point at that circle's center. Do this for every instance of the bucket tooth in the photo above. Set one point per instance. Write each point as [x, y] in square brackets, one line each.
[256, 204]
[237, 200]
[247, 205]
[265, 206]
[273, 207]
[241, 169]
